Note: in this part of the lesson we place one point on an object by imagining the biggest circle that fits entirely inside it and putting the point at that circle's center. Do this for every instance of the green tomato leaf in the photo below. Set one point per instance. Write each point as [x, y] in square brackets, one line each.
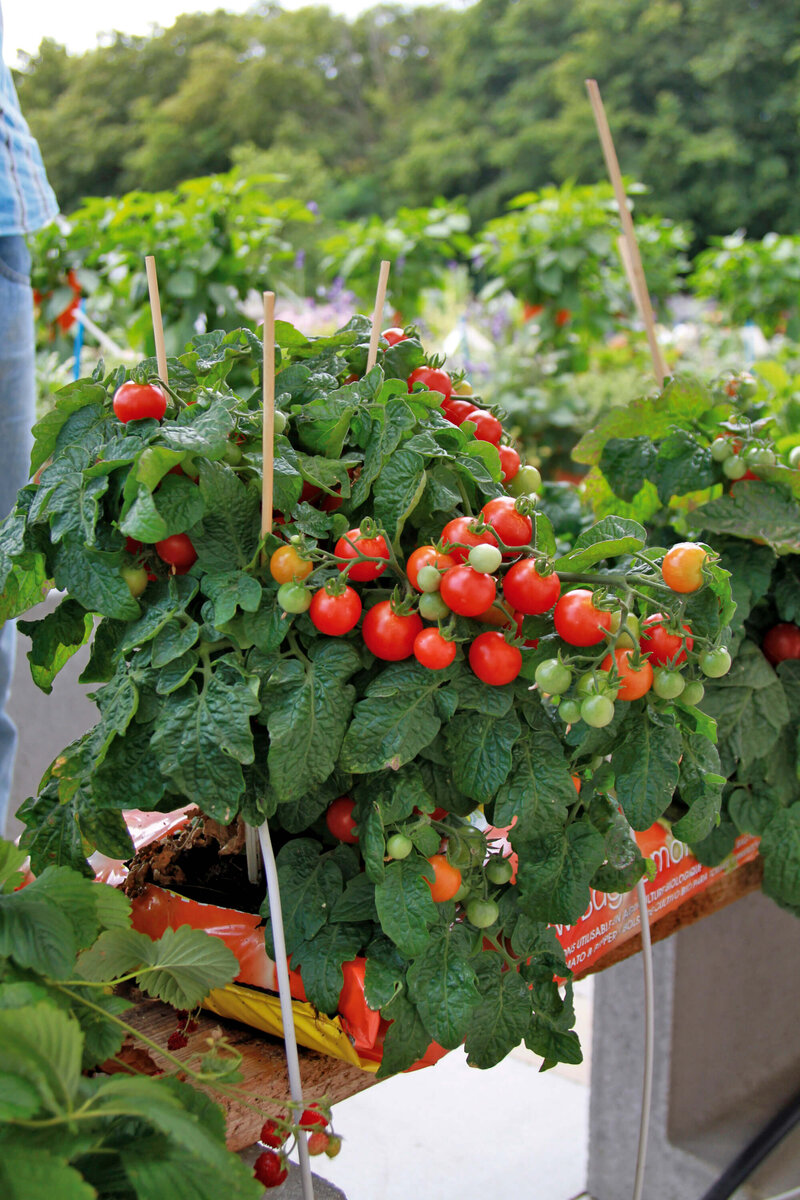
[501, 1019]
[405, 905]
[396, 719]
[311, 883]
[320, 963]
[645, 764]
[555, 870]
[55, 639]
[481, 749]
[609, 538]
[443, 987]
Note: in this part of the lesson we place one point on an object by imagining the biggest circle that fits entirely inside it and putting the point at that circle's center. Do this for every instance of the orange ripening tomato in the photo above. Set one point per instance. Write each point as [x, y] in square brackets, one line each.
[426, 556]
[446, 881]
[682, 567]
[286, 564]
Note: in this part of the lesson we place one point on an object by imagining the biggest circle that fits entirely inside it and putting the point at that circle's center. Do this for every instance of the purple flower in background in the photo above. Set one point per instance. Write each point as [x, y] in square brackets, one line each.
[312, 206]
[299, 260]
[478, 261]
[400, 263]
[498, 323]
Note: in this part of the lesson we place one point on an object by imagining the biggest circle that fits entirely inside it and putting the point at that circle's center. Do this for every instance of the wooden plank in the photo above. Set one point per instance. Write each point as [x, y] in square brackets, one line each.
[263, 1057]
[263, 1067]
[718, 895]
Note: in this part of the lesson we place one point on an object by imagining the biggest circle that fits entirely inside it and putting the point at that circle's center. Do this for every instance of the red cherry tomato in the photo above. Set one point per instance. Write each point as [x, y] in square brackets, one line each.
[531, 310]
[178, 551]
[487, 426]
[634, 683]
[446, 879]
[458, 530]
[660, 646]
[494, 660]
[466, 591]
[562, 316]
[782, 642]
[457, 411]
[335, 615]
[426, 556]
[136, 401]
[310, 492]
[512, 527]
[509, 462]
[339, 819]
[433, 651]
[434, 379]
[394, 335]
[349, 547]
[577, 621]
[529, 592]
[389, 635]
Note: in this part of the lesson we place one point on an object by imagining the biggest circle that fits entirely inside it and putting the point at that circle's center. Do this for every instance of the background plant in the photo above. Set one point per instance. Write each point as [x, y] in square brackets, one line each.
[752, 280]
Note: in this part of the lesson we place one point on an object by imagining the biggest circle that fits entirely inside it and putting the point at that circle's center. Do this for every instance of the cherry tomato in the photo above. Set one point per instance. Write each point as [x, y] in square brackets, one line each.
[457, 411]
[466, 591]
[432, 607]
[399, 846]
[458, 530]
[760, 456]
[446, 878]
[693, 692]
[794, 457]
[335, 615]
[136, 401]
[528, 479]
[434, 379]
[569, 711]
[286, 564]
[529, 592]
[389, 635]
[309, 492]
[511, 527]
[530, 311]
[349, 547]
[270, 1169]
[487, 426]
[667, 683]
[433, 651]
[339, 819]
[394, 335]
[294, 598]
[426, 556]
[494, 660]
[485, 559]
[318, 1143]
[782, 642]
[133, 546]
[734, 467]
[509, 462]
[464, 388]
[721, 449]
[482, 913]
[136, 579]
[499, 870]
[635, 682]
[661, 647]
[553, 677]
[682, 568]
[562, 316]
[178, 551]
[577, 621]
[715, 663]
[597, 711]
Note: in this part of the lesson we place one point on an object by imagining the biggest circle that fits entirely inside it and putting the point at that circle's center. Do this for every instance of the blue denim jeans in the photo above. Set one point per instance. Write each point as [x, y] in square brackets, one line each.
[17, 413]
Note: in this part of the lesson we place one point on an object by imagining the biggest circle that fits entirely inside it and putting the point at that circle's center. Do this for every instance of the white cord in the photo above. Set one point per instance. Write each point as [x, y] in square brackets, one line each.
[287, 1015]
[649, 1043]
[791, 1195]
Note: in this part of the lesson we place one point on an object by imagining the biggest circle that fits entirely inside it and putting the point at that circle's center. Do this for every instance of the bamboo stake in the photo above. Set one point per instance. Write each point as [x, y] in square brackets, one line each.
[377, 314]
[268, 425]
[158, 324]
[628, 232]
[624, 254]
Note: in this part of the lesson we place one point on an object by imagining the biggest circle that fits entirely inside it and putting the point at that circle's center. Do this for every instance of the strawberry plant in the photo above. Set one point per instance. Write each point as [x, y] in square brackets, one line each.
[705, 462]
[66, 1128]
[407, 664]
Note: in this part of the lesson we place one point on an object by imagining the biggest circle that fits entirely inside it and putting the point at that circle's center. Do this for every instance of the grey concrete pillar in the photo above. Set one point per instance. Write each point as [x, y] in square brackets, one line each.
[727, 1057]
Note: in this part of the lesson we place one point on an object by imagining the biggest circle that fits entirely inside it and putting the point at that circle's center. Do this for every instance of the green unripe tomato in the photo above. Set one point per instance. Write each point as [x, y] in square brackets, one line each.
[734, 467]
[595, 683]
[627, 638]
[429, 579]
[281, 421]
[136, 579]
[527, 479]
[467, 847]
[794, 457]
[668, 684]
[485, 559]
[721, 449]
[399, 846]
[294, 598]
[499, 870]
[715, 663]
[597, 711]
[232, 455]
[463, 891]
[190, 468]
[482, 913]
[693, 692]
[760, 456]
[553, 677]
[569, 711]
[432, 607]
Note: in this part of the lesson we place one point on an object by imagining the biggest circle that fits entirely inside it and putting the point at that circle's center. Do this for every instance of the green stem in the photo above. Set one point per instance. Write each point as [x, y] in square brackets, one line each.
[291, 638]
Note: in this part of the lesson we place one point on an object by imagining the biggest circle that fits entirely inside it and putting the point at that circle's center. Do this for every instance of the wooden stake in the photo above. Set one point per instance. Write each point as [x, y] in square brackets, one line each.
[628, 232]
[624, 254]
[158, 325]
[377, 315]
[268, 426]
